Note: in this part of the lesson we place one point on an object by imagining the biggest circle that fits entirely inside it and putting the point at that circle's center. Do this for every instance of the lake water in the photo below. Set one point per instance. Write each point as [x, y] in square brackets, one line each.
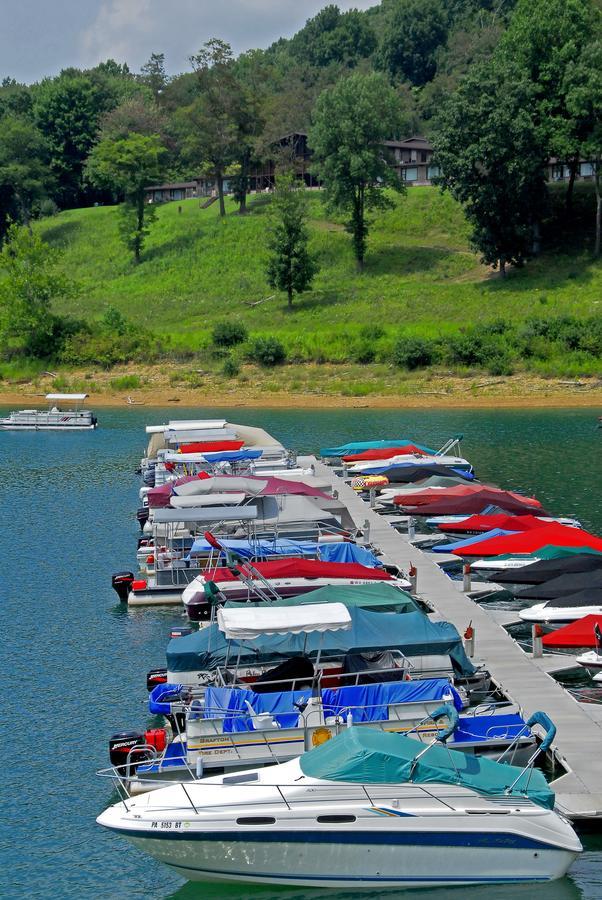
[75, 659]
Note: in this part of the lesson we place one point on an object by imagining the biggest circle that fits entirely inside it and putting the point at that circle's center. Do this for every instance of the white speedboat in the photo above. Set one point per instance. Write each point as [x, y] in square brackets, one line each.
[364, 810]
[592, 661]
[562, 610]
[55, 418]
[454, 462]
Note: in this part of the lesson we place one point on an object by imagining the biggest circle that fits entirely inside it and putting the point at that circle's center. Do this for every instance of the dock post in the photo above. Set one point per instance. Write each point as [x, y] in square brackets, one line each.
[372, 498]
[411, 528]
[537, 636]
[467, 584]
[366, 531]
[469, 640]
[413, 578]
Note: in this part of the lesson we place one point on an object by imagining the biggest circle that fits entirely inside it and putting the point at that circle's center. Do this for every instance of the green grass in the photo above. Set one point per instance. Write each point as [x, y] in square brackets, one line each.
[420, 276]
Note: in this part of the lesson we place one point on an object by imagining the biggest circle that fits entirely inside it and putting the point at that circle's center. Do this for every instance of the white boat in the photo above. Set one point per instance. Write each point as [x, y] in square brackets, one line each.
[363, 810]
[55, 418]
[454, 462]
[592, 661]
[561, 610]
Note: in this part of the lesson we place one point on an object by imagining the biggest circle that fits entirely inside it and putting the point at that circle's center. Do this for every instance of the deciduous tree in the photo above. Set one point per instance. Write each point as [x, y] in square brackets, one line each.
[351, 122]
[24, 176]
[126, 166]
[414, 31]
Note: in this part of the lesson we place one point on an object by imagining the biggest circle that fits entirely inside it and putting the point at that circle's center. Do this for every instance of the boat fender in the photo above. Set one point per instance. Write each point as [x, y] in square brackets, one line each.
[121, 582]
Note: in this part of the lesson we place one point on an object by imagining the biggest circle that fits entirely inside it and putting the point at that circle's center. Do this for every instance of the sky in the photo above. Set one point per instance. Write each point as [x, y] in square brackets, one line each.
[41, 37]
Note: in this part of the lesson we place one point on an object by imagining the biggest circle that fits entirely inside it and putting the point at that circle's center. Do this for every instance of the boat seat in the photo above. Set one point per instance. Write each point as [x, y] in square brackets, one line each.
[261, 721]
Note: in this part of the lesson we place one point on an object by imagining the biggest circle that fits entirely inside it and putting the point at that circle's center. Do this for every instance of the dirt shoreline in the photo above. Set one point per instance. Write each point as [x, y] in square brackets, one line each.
[555, 397]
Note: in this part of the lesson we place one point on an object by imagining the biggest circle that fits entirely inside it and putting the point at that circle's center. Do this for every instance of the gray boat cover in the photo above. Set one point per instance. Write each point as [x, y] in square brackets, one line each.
[411, 633]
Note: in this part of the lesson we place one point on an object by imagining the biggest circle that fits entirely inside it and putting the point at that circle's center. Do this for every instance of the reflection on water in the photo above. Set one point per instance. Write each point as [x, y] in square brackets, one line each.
[76, 659]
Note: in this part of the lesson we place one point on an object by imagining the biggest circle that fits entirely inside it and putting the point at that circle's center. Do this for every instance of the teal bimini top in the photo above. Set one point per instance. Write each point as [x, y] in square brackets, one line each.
[366, 756]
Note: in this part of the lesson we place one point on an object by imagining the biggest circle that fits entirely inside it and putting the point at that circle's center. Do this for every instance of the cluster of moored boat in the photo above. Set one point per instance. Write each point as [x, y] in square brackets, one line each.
[318, 724]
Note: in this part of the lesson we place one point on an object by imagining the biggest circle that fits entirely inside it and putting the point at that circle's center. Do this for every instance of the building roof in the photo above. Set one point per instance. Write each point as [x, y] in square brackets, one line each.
[414, 142]
[172, 185]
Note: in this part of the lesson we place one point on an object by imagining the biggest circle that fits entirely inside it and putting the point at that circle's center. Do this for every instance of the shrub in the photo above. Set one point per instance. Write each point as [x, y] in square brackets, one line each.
[267, 351]
[413, 353]
[231, 368]
[364, 353]
[475, 349]
[500, 365]
[229, 334]
[125, 383]
[372, 332]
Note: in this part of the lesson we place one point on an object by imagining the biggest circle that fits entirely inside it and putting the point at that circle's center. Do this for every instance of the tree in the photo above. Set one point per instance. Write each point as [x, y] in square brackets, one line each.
[153, 74]
[24, 175]
[546, 39]
[492, 154]
[583, 91]
[32, 280]
[210, 127]
[291, 267]
[414, 31]
[334, 37]
[351, 122]
[126, 166]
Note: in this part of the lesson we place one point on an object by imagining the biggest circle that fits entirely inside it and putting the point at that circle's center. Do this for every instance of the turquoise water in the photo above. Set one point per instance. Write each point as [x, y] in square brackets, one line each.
[75, 660]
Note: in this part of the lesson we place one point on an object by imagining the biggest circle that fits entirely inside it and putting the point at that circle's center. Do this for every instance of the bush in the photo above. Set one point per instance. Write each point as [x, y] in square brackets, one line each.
[267, 351]
[500, 365]
[229, 334]
[364, 353]
[476, 349]
[413, 353]
[231, 368]
[46, 207]
[125, 383]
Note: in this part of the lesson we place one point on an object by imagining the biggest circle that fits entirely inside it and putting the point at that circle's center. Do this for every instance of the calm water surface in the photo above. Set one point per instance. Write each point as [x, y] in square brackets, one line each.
[75, 659]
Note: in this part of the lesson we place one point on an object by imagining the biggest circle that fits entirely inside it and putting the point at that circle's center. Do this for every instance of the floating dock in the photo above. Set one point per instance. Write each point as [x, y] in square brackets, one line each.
[524, 680]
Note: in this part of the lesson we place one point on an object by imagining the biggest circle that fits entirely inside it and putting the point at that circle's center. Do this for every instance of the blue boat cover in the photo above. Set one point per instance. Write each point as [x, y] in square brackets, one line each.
[346, 552]
[367, 756]
[247, 549]
[232, 455]
[391, 471]
[366, 702]
[412, 633]
[488, 728]
[468, 542]
[359, 446]
[162, 696]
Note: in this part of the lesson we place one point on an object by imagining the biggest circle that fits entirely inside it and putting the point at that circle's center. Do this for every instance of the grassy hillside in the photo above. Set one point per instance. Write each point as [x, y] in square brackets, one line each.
[420, 276]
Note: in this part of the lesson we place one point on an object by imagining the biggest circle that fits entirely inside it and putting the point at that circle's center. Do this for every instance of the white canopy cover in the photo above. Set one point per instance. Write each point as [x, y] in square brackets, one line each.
[66, 396]
[249, 623]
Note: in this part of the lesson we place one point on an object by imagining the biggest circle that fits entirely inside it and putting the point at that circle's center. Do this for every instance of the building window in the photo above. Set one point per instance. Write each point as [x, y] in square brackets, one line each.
[413, 156]
[432, 172]
[586, 169]
[423, 156]
[411, 174]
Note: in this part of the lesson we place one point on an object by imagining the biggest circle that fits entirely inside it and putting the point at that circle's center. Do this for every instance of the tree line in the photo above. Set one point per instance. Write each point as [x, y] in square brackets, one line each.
[499, 86]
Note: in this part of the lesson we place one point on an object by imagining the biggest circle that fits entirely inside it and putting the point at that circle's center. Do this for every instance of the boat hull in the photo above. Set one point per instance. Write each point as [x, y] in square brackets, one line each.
[437, 857]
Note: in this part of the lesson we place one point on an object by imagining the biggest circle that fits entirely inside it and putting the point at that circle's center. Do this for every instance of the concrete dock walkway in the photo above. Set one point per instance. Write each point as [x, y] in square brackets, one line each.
[524, 680]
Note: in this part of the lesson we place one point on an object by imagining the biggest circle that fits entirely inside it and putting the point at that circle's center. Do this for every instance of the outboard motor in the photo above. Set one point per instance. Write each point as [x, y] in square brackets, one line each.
[142, 515]
[155, 677]
[199, 609]
[121, 583]
[120, 745]
[179, 631]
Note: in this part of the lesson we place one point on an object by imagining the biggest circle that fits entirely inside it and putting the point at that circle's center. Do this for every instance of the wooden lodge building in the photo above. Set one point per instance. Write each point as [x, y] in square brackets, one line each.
[411, 157]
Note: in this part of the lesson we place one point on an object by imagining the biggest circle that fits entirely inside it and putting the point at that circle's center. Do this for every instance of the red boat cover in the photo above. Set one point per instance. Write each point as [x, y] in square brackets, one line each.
[210, 446]
[498, 520]
[530, 541]
[384, 453]
[465, 499]
[159, 497]
[276, 486]
[306, 568]
[577, 634]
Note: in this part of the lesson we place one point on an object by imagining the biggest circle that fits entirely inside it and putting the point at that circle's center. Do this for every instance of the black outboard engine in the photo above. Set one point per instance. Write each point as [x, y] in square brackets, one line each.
[121, 582]
[155, 677]
[142, 516]
[120, 745]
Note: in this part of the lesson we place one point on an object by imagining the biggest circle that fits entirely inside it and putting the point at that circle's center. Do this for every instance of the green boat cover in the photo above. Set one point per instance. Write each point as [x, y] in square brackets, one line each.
[412, 633]
[382, 596]
[550, 551]
[367, 756]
